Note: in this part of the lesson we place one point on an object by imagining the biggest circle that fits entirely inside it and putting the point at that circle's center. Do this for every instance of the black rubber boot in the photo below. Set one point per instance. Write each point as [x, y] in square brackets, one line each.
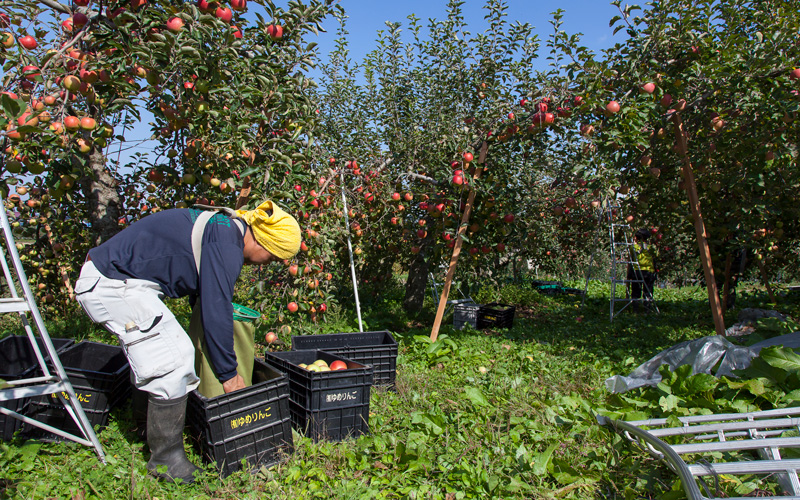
[165, 422]
[139, 412]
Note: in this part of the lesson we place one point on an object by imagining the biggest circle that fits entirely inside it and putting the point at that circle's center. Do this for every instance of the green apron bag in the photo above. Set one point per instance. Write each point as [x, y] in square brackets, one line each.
[244, 345]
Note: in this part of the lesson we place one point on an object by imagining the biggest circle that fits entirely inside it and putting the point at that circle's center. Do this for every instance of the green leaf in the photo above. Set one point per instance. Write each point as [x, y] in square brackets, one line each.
[476, 396]
[12, 107]
[781, 357]
[542, 460]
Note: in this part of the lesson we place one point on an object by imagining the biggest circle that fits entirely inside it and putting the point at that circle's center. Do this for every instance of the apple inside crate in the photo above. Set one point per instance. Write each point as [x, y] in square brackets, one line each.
[377, 349]
[325, 404]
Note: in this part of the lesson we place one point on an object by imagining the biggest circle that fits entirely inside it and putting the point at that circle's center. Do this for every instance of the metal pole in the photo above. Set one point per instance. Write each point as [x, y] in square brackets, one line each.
[350, 251]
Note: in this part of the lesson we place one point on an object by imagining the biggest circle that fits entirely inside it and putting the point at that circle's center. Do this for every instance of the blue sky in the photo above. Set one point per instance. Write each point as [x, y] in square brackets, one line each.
[366, 17]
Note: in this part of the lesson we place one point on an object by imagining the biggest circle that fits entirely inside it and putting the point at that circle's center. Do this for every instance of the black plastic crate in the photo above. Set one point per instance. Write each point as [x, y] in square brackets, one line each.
[253, 423]
[329, 405]
[333, 424]
[18, 361]
[496, 315]
[100, 376]
[376, 349]
[465, 314]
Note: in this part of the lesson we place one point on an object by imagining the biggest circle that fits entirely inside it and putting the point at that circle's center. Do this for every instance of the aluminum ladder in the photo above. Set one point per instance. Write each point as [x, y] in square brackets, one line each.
[758, 437]
[56, 383]
[622, 256]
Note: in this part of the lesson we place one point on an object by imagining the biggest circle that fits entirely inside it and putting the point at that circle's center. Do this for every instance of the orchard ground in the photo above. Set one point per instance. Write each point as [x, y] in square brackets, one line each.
[479, 414]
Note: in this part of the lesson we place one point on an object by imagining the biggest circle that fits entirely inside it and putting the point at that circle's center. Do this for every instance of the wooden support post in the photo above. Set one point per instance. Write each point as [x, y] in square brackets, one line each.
[764, 279]
[726, 289]
[244, 194]
[699, 226]
[451, 271]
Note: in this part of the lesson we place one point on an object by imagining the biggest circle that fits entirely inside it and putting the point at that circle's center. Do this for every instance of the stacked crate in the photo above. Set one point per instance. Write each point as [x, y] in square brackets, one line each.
[376, 349]
[99, 374]
[325, 405]
[18, 361]
[251, 424]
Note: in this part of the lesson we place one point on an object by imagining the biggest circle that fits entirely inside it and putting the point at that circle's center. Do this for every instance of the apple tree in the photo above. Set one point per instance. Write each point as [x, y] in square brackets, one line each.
[440, 113]
[231, 108]
[726, 73]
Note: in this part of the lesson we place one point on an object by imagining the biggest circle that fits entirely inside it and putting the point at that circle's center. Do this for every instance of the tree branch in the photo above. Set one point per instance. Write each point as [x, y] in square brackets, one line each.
[53, 4]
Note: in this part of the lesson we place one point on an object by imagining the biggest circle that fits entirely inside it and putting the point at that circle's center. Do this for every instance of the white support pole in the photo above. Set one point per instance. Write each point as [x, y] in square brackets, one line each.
[350, 250]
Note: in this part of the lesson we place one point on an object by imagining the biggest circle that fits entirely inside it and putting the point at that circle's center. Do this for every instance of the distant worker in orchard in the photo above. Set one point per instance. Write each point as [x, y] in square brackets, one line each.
[122, 284]
[644, 277]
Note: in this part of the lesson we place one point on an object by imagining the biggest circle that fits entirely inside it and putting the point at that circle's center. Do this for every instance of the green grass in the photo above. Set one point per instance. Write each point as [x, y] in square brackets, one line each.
[479, 414]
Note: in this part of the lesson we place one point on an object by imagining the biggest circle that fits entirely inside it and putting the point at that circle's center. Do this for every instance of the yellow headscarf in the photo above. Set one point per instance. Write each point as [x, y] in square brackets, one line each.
[273, 229]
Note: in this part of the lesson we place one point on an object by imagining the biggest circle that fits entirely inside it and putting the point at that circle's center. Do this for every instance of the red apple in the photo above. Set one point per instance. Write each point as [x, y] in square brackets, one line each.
[338, 365]
[612, 107]
[270, 337]
[71, 83]
[224, 14]
[239, 4]
[175, 24]
[72, 122]
[666, 100]
[30, 72]
[88, 123]
[275, 31]
[79, 19]
[396, 196]
[468, 157]
[408, 196]
[509, 218]
[322, 307]
[292, 306]
[649, 87]
[28, 42]
[795, 74]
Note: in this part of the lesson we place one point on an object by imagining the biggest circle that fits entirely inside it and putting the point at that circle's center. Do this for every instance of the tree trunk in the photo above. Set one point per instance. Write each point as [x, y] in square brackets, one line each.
[417, 284]
[104, 203]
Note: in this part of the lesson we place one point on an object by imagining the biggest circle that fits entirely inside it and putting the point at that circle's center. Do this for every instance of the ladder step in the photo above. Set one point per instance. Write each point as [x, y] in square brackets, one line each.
[32, 391]
[14, 304]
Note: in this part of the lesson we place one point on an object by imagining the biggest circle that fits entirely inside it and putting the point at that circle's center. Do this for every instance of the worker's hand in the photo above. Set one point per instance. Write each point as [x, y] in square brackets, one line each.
[233, 384]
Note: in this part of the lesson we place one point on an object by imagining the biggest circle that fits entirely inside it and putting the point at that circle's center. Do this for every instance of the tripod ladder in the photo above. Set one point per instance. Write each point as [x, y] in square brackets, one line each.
[56, 383]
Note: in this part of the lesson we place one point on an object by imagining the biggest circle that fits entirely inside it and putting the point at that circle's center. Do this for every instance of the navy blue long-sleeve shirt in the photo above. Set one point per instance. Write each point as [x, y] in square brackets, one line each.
[158, 248]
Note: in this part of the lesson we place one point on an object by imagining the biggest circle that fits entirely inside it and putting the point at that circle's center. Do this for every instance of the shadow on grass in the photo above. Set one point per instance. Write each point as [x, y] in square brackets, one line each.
[562, 322]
